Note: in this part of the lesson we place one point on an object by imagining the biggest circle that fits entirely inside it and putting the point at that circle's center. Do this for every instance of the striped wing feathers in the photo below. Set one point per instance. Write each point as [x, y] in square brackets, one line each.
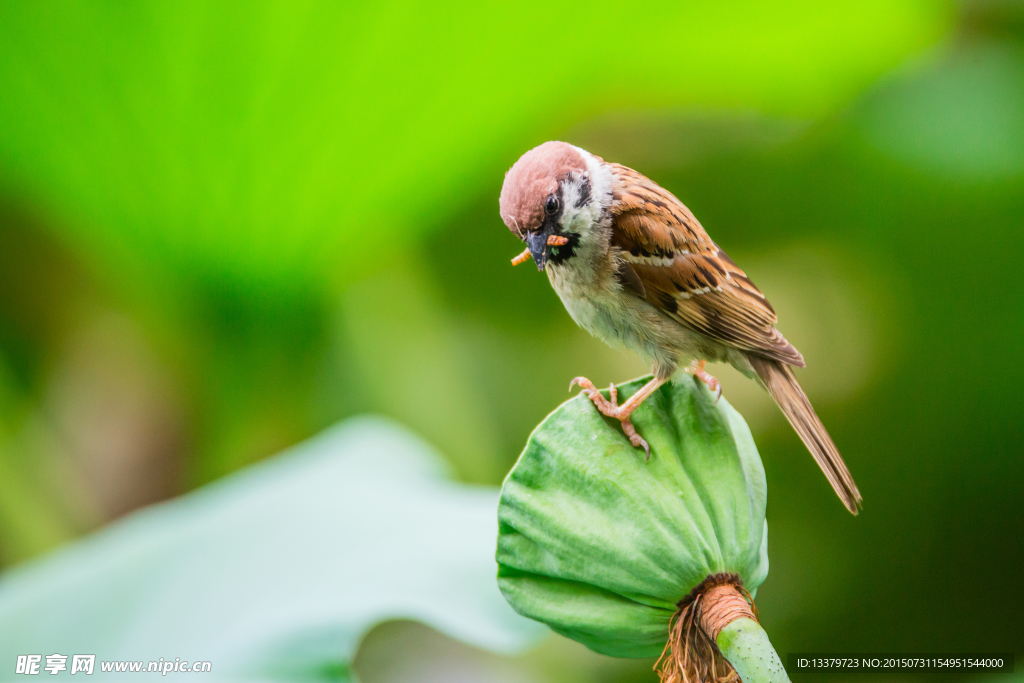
[686, 275]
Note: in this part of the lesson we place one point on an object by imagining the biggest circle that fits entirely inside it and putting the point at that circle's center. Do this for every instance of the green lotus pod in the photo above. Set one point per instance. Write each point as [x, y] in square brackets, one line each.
[608, 548]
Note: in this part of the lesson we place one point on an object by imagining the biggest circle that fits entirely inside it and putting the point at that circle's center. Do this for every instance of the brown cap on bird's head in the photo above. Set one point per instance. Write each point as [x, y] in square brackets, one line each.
[531, 180]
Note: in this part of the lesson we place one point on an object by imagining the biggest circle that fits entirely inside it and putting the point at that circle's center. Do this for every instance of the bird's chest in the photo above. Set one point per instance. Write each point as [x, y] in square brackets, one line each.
[597, 303]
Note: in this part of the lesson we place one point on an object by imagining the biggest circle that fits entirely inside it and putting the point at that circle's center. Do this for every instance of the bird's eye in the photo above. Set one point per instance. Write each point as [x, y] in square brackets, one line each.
[551, 206]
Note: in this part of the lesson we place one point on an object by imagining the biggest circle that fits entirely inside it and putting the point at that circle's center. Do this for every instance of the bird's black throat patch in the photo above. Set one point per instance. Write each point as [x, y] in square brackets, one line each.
[559, 255]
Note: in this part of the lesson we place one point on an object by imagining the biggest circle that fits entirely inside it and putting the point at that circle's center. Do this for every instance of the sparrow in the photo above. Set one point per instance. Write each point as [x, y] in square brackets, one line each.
[636, 269]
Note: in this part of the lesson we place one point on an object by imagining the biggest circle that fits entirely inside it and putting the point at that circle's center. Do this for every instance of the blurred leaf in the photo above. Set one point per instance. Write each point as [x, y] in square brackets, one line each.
[960, 116]
[297, 141]
[276, 572]
[411, 356]
[601, 545]
[33, 516]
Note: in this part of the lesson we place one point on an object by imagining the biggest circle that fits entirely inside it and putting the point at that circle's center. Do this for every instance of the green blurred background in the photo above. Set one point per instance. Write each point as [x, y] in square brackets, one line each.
[223, 228]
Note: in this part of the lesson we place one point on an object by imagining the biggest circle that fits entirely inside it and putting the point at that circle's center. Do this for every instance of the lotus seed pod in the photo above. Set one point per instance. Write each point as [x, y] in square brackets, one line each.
[609, 549]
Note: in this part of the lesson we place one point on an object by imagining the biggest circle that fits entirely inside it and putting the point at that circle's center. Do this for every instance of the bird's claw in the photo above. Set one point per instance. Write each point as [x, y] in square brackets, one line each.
[697, 370]
[584, 383]
[607, 407]
[635, 439]
[612, 409]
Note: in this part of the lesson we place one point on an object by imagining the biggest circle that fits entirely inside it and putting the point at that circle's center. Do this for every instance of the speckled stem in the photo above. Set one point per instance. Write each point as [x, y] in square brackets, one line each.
[745, 644]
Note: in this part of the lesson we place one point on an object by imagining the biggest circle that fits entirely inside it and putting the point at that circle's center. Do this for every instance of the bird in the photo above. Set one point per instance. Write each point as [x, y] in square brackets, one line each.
[636, 269]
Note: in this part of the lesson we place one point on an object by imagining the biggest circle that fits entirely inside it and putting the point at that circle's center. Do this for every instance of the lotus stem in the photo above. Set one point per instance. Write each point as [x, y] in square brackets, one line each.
[745, 644]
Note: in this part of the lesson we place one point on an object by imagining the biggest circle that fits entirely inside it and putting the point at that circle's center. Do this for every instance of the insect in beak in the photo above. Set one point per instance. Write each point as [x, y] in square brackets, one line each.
[522, 258]
[552, 241]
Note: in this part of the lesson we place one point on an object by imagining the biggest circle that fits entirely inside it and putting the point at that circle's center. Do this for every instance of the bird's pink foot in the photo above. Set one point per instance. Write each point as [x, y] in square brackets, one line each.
[696, 369]
[621, 413]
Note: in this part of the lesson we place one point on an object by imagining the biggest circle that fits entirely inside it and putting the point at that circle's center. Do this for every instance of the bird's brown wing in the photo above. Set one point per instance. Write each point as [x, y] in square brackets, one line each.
[686, 275]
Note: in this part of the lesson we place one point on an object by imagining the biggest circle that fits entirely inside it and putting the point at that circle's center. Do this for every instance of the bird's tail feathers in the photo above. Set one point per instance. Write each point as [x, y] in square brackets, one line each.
[779, 380]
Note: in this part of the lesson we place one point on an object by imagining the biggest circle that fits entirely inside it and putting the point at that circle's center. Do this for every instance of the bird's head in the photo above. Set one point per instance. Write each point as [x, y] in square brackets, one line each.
[552, 199]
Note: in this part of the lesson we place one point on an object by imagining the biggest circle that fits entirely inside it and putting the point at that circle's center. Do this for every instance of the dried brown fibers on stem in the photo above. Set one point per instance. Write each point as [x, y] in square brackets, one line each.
[691, 654]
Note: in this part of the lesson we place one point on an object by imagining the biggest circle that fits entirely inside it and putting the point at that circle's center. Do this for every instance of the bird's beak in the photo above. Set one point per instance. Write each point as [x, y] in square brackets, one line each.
[538, 244]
